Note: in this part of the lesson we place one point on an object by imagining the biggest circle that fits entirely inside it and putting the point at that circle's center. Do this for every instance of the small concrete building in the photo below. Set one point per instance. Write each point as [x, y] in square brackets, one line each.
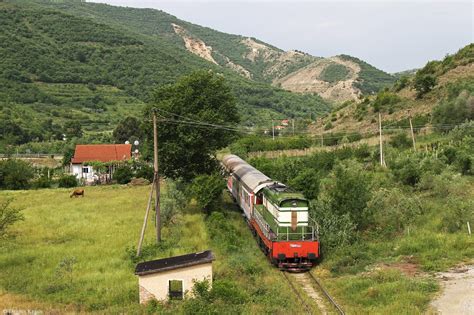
[174, 277]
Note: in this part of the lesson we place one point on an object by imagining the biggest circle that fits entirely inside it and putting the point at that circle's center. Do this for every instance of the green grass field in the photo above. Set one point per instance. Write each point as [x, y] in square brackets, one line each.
[96, 235]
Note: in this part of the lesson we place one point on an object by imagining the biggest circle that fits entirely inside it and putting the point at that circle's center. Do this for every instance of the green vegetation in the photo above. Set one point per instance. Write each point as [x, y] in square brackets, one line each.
[187, 112]
[15, 174]
[374, 221]
[8, 216]
[371, 80]
[334, 72]
[76, 257]
[81, 74]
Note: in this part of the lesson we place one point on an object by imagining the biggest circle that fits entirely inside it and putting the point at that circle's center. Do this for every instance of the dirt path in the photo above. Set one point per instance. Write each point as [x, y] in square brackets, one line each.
[458, 292]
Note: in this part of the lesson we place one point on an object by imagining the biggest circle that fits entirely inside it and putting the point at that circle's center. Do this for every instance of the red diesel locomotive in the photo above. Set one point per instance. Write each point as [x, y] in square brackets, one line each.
[278, 216]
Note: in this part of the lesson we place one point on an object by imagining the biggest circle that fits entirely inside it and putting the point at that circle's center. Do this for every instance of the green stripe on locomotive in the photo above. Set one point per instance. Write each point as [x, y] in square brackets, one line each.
[285, 199]
[283, 233]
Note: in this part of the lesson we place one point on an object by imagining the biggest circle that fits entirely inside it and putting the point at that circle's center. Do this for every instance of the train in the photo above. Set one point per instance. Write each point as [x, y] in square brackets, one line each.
[277, 215]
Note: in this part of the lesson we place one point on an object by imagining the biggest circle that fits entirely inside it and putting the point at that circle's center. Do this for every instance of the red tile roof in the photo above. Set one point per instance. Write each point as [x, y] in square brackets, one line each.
[102, 152]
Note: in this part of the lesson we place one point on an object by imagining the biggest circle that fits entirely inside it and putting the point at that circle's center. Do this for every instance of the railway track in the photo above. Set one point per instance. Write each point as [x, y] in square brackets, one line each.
[315, 291]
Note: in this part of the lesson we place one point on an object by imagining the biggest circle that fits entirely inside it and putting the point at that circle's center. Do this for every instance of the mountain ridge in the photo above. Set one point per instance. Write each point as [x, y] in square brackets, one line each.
[247, 56]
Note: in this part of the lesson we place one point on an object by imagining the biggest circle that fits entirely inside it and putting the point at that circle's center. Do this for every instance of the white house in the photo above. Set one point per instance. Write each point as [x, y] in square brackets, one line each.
[174, 277]
[106, 153]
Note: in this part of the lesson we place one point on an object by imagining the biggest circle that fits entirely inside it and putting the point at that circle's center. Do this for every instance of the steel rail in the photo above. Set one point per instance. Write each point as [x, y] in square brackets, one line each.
[306, 306]
[326, 293]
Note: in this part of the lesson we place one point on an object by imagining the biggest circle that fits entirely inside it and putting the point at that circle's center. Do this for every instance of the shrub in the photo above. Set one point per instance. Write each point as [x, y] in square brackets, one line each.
[67, 181]
[172, 201]
[307, 182]
[392, 211]
[207, 190]
[457, 213]
[15, 174]
[42, 182]
[401, 141]
[423, 83]
[407, 170]
[348, 191]
[8, 215]
[123, 174]
[335, 230]
[328, 126]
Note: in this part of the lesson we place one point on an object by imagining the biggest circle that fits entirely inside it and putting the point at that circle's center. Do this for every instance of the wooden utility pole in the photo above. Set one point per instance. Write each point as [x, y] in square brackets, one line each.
[412, 134]
[157, 180]
[382, 162]
[145, 220]
[293, 123]
[273, 130]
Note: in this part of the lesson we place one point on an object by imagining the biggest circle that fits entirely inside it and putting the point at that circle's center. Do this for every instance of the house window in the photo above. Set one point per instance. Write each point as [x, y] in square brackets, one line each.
[176, 289]
[85, 169]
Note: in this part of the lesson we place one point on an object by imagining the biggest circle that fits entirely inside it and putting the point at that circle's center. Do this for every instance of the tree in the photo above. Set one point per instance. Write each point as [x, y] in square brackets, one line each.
[73, 129]
[207, 190]
[349, 191]
[187, 114]
[307, 182]
[424, 83]
[15, 174]
[127, 129]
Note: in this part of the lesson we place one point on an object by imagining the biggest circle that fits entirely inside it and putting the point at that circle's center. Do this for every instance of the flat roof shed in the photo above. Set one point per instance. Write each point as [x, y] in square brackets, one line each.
[173, 277]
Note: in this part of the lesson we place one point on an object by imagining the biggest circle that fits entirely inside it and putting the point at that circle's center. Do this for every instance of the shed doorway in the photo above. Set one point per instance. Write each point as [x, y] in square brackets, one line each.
[176, 289]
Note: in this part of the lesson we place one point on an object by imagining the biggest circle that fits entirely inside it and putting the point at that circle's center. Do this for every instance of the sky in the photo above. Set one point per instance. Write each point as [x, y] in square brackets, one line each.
[391, 35]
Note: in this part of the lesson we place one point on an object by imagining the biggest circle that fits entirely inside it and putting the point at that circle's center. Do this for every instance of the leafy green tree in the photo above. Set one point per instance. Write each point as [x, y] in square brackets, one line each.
[15, 174]
[424, 83]
[186, 110]
[73, 129]
[349, 191]
[207, 190]
[307, 182]
[127, 129]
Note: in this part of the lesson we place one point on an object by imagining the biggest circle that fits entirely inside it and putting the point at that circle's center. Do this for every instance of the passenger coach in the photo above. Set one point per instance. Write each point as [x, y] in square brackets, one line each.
[278, 216]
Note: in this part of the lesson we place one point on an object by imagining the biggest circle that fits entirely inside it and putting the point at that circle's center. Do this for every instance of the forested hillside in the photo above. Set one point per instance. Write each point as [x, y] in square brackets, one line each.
[249, 57]
[64, 74]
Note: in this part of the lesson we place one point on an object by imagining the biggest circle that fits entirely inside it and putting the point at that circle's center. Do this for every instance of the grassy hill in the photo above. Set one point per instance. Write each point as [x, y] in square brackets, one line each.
[248, 57]
[59, 68]
[446, 103]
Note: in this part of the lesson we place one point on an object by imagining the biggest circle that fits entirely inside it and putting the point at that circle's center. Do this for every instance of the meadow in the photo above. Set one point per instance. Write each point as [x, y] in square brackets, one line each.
[77, 255]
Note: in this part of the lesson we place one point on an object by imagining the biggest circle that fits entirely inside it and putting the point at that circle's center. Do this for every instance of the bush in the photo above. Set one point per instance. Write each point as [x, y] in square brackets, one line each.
[407, 170]
[67, 181]
[392, 211]
[334, 230]
[42, 182]
[8, 215]
[457, 213]
[172, 201]
[401, 141]
[15, 174]
[207, 190]
[348, 190]
[423, 83]
[307, 182]
[123, 174]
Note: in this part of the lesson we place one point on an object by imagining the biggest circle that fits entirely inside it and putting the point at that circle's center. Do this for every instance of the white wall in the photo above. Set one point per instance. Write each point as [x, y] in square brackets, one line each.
[157, 284]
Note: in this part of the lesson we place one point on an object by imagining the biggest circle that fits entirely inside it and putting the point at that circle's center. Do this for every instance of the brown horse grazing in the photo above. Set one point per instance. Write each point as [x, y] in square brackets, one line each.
[77, 193]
